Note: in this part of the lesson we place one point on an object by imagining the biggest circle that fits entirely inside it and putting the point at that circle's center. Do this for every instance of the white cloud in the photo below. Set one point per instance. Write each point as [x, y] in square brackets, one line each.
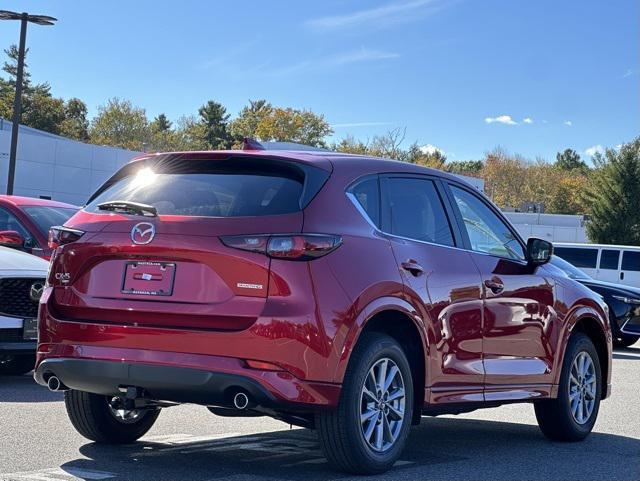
[545, 121]
[568, 123]
[430, 149]
[379, 16]
[591, 151]
[528, 121]
[629, 73]
[501, 119]
[333, 61]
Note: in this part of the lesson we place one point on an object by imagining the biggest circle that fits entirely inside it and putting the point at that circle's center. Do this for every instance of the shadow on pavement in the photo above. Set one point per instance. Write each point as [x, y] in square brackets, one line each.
[442, 448]
[23, 389]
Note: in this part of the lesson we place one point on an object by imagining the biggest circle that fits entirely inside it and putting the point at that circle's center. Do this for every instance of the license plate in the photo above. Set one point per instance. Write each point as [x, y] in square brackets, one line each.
[30, 329]
[148, 278]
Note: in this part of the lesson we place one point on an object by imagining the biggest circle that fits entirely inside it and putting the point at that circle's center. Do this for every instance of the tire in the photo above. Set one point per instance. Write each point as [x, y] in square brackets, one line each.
[555, 416]
[625, 340]
[342, 434]
[93, 418]
[17, 365]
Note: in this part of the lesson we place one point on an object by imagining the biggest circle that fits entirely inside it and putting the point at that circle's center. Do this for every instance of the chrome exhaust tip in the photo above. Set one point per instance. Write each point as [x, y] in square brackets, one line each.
[54, 384]
[240, 401]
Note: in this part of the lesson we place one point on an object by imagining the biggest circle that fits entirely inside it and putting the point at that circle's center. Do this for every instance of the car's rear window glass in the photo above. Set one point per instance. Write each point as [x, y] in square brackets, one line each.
[609, 259]
[631, 261]
[367, 194]
[208, 189]
[577, 256]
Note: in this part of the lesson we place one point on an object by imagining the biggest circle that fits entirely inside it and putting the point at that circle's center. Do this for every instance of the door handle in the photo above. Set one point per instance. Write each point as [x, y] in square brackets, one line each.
[495, 285]
[413, 268]
[622, 276]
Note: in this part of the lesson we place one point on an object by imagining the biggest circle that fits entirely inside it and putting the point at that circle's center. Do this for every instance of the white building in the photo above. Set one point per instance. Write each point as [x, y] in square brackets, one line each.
[551, 227]
[55, 167]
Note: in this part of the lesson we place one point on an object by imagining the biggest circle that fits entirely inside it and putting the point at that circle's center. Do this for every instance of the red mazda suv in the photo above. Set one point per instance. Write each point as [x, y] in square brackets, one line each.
[342, 293]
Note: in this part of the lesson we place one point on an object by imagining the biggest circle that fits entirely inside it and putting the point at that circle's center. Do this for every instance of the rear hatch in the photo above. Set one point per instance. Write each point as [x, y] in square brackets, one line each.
[171, 269]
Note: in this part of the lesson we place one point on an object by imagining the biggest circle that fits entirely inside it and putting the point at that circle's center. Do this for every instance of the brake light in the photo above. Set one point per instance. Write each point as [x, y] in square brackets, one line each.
[59, 236]
[297, 247]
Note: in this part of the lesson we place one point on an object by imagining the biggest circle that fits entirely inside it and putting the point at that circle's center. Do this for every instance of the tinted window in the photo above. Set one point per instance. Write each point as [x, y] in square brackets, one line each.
[578, 256]
[631, 261]
[8, 221]
[413, 209]
[231, 188]
[487, 232]
[45, 217]
[609, 259]
[367, 194]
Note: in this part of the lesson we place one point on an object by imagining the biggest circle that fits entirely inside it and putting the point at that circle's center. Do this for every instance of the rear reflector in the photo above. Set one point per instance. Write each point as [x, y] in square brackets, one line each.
[264, 366]
[297, 247]
[59, 236]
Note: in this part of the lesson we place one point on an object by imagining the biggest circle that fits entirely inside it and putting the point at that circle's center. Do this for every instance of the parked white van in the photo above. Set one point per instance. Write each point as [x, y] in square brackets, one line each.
[611, 263]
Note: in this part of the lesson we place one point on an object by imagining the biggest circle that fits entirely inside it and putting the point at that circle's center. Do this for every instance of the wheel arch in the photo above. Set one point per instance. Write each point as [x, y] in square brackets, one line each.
[397, 319]
[590, 323]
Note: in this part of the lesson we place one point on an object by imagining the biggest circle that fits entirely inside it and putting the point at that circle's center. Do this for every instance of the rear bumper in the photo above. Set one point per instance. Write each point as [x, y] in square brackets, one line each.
[167, 383]
[182, 378]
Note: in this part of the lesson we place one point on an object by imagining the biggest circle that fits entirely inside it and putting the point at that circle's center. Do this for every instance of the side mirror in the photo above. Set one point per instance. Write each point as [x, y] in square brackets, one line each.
[539, 251]
[11, 238]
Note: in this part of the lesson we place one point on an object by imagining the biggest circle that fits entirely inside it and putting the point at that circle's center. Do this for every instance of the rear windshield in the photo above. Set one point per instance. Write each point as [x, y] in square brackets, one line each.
[219, 188]
[45, 217]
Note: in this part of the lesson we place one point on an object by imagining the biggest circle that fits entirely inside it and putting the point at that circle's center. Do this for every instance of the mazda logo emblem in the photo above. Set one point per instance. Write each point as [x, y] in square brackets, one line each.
[35, 292]
[143, 233]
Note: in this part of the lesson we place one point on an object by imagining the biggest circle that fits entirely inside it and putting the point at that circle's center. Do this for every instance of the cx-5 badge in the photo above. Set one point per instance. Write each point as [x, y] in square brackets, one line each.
[143, 233]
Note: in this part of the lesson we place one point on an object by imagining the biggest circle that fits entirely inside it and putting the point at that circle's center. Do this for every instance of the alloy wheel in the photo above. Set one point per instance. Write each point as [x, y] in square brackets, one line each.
[582, 387]
[382, 405]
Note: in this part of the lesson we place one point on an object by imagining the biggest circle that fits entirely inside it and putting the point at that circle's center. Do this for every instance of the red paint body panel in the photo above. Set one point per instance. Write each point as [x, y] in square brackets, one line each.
[307, 316]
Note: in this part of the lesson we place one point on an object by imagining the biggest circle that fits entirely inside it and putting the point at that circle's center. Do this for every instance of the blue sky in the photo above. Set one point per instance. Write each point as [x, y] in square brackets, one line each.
[465, 76]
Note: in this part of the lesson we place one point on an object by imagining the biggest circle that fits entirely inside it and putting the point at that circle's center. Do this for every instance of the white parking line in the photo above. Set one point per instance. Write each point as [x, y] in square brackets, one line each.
[57, 474]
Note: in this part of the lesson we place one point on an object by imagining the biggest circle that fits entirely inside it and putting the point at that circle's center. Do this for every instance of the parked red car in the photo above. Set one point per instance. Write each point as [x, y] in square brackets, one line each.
[342, 293]
[25, 222]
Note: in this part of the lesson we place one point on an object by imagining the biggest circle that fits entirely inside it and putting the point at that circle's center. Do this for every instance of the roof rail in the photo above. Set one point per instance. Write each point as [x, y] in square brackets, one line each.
[252, 144]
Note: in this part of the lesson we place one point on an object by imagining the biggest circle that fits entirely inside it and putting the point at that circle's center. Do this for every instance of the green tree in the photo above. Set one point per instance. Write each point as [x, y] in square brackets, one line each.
[39, 109]
[160, 124]
[292, 125]
[215, 119]
[466, 167]
[246, 123]
[120, 124]
[75, 124]
[570, 160]
[614, 196]
[427, 157]
[350, 145]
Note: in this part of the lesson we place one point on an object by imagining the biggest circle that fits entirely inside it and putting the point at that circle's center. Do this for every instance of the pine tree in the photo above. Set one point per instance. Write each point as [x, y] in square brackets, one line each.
[614, 196]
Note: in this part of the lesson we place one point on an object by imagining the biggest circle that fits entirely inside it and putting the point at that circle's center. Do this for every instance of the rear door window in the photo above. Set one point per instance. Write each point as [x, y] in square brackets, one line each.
[631, 261]
[367, 195]
[220, 188]
[412, 208]
[609, 259]
[578, 256]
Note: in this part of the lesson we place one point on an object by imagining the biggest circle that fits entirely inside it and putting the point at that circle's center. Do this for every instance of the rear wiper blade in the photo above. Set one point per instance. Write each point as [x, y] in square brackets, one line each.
[129, 207]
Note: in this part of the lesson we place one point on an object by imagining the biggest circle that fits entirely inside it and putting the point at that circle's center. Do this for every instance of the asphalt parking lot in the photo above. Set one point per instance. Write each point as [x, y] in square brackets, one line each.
[37, 442]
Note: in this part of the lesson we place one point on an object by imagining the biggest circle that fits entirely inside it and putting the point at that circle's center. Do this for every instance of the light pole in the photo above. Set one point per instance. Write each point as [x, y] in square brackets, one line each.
[17, 103]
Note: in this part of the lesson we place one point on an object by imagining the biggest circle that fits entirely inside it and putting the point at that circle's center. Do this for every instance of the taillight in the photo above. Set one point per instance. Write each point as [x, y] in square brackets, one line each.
[296, 247]
[59, 236]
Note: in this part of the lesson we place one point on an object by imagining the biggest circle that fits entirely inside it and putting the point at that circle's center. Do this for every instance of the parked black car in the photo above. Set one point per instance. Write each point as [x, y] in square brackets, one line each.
[623, 302]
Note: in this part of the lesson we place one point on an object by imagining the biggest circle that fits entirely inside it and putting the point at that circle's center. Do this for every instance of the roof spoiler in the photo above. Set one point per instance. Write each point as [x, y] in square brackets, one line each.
[252, 144]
